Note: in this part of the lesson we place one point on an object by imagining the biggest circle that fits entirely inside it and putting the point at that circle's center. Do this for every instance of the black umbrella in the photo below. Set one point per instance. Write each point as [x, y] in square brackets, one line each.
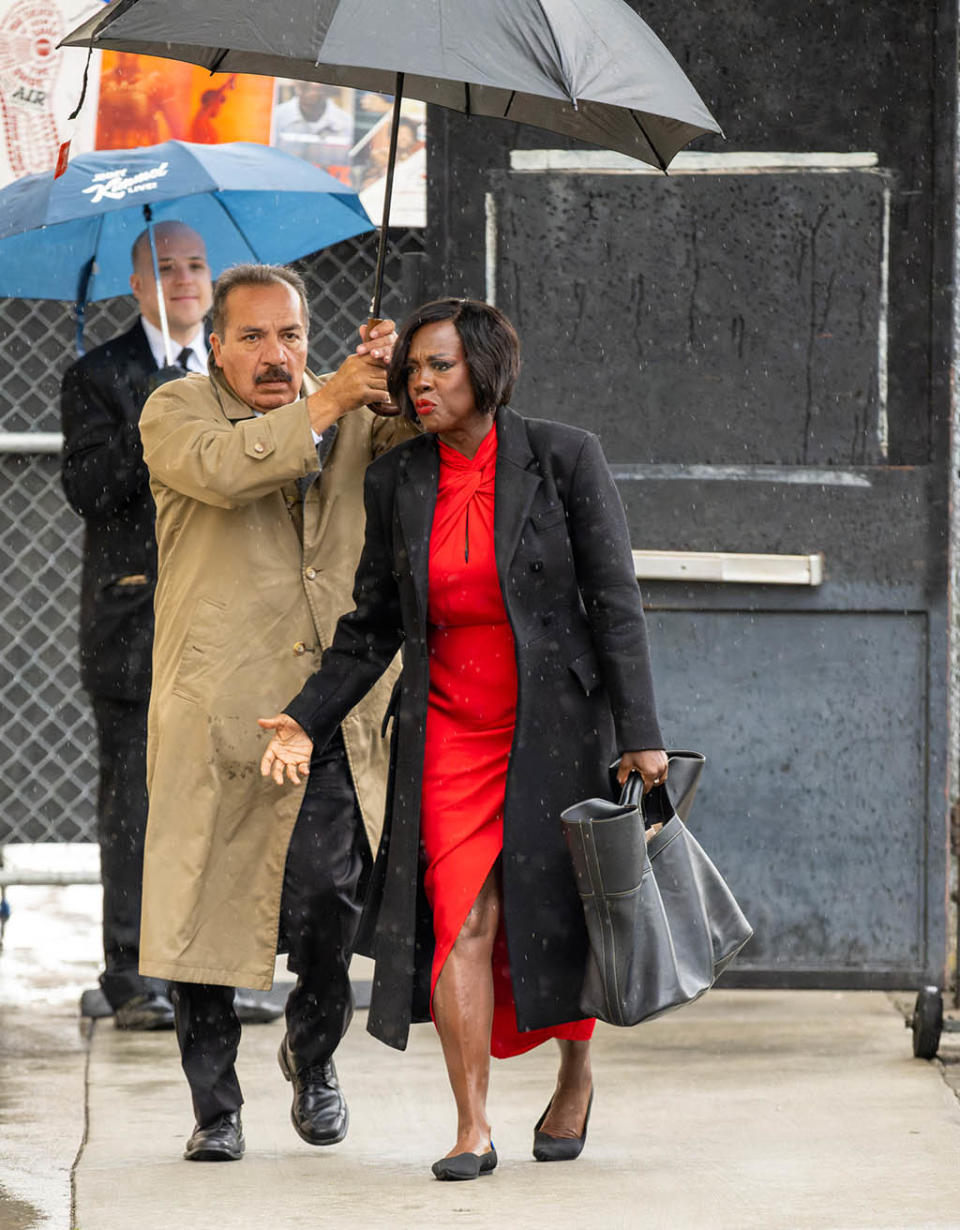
[590, 69]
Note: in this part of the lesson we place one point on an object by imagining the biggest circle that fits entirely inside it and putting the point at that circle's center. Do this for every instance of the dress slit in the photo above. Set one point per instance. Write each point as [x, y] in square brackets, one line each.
[447, 902]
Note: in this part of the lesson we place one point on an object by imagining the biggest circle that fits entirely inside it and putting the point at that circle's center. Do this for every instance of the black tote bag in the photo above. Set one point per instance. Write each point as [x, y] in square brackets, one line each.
[662, 923]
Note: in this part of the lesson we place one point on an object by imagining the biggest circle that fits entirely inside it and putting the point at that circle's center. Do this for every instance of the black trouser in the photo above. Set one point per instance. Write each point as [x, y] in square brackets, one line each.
[319, 912]
[121, 825]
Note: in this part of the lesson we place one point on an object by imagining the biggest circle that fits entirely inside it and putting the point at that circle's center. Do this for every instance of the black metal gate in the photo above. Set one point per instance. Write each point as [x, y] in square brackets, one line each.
[763, 343]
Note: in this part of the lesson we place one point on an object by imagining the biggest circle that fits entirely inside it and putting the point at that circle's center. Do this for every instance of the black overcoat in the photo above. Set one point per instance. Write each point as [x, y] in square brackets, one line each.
[107, 483]
[584, 694]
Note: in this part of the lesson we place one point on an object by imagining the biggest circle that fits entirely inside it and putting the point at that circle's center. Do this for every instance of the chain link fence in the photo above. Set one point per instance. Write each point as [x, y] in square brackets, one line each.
[48, 762]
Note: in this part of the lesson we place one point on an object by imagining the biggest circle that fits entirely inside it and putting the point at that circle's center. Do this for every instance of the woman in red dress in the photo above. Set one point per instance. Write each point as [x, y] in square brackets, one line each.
[471, 849]
[470, 729]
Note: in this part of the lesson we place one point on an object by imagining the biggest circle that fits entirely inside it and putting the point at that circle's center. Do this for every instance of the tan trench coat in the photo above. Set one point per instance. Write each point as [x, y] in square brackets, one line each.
[244, 611]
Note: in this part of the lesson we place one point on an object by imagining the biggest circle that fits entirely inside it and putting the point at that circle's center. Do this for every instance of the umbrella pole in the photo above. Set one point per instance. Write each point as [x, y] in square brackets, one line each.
[161, 306]
[80, 306]
[387, 196]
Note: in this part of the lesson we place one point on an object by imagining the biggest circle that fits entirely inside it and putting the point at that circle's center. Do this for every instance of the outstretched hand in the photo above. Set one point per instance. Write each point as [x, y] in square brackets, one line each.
[288, 751]
[651, 765]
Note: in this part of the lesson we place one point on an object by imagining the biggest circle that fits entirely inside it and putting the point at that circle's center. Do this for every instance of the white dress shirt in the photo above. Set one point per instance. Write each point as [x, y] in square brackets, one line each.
[197, 346]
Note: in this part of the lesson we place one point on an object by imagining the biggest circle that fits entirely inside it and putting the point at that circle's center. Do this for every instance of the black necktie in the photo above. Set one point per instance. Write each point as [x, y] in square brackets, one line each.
[183, 358]
[304, 484]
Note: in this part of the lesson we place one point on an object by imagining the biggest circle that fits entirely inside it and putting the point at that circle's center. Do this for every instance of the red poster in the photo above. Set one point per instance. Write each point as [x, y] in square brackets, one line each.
[145, 100]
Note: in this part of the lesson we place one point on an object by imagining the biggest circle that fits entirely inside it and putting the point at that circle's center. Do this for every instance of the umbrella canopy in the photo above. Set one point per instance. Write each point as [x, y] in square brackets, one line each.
[590, 69]
[70, 238]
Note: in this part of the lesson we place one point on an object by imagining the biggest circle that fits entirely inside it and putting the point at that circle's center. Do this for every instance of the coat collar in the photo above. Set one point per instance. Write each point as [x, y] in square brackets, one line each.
[517, 481]
[513, 443]
[516, 484]
[140, 346]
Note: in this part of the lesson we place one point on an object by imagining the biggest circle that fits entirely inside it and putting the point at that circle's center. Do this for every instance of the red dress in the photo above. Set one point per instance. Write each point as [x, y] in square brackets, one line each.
[470, 720]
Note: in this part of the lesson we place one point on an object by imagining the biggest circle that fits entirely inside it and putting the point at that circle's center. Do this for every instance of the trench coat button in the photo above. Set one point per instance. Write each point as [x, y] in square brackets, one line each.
[258, 447]
[537, 565]
[299, 649]
[311, 574]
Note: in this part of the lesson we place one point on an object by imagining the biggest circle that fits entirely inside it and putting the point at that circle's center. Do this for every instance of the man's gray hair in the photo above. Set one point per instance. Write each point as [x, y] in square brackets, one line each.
[255, 275]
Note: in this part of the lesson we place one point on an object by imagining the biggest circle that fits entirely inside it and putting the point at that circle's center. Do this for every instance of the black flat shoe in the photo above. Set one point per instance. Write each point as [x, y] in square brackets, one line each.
[319, 1110]
[548, 1148]
[221, 1140]
[466, 1165]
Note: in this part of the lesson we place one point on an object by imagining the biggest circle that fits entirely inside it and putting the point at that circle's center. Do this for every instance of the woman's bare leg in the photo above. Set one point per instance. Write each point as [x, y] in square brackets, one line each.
[463, 1011]
[572, 1094]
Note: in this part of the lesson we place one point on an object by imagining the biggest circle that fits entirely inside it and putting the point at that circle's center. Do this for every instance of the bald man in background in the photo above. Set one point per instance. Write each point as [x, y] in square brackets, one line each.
[107, 483]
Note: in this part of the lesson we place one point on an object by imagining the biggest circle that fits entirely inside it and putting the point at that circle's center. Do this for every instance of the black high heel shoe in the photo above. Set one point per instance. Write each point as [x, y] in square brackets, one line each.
[548, 1148]
[466, 1165]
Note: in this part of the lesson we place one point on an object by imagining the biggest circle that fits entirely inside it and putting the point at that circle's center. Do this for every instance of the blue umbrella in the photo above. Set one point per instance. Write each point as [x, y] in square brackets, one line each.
[70, 238]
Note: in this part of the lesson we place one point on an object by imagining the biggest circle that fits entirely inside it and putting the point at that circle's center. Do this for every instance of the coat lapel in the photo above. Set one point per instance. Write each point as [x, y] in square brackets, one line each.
[416, 501]
[517, 484]
[140, 353]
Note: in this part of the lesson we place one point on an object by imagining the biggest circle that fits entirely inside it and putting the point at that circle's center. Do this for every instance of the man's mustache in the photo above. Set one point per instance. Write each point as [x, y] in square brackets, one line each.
[271, 374]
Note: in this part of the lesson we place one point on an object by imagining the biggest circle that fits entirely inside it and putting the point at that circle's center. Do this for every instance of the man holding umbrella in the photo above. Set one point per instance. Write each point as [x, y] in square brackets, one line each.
[107, 483]
[257, 471]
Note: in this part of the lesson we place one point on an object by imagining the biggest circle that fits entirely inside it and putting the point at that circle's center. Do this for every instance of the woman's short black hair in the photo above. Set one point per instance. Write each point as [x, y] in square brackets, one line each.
[490, 346]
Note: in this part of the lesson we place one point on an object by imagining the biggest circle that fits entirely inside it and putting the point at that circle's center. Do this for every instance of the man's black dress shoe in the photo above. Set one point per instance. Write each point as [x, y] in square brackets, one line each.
[548, 1148]
[466, 1165]
[319, 1110]
[221, 1140]
[146, 1011]
[255, 1008]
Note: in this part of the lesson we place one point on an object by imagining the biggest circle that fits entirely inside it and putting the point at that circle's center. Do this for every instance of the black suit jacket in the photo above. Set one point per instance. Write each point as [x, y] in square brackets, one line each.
[107, 483]
[584, 693]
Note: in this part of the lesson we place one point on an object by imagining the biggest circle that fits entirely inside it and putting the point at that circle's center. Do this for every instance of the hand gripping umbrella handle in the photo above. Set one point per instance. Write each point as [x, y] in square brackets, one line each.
[385, 408]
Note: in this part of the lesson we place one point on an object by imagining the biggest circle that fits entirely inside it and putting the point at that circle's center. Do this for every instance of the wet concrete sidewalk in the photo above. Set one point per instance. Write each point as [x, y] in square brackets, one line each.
[750, 1109]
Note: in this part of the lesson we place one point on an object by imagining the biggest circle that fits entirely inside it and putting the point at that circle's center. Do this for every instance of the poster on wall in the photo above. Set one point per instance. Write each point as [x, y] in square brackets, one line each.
[145, 100]
[134, 100]
[347, 132]
[40, 85]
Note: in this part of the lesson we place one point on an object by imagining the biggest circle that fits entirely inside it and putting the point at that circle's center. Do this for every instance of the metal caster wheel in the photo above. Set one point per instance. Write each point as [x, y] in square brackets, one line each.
[927, 1022]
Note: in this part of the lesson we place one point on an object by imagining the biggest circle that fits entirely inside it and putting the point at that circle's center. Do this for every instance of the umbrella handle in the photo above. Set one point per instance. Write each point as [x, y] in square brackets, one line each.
[379, 407]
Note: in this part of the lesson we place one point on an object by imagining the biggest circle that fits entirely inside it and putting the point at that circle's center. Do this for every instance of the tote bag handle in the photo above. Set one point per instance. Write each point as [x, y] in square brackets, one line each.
[676, 795]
